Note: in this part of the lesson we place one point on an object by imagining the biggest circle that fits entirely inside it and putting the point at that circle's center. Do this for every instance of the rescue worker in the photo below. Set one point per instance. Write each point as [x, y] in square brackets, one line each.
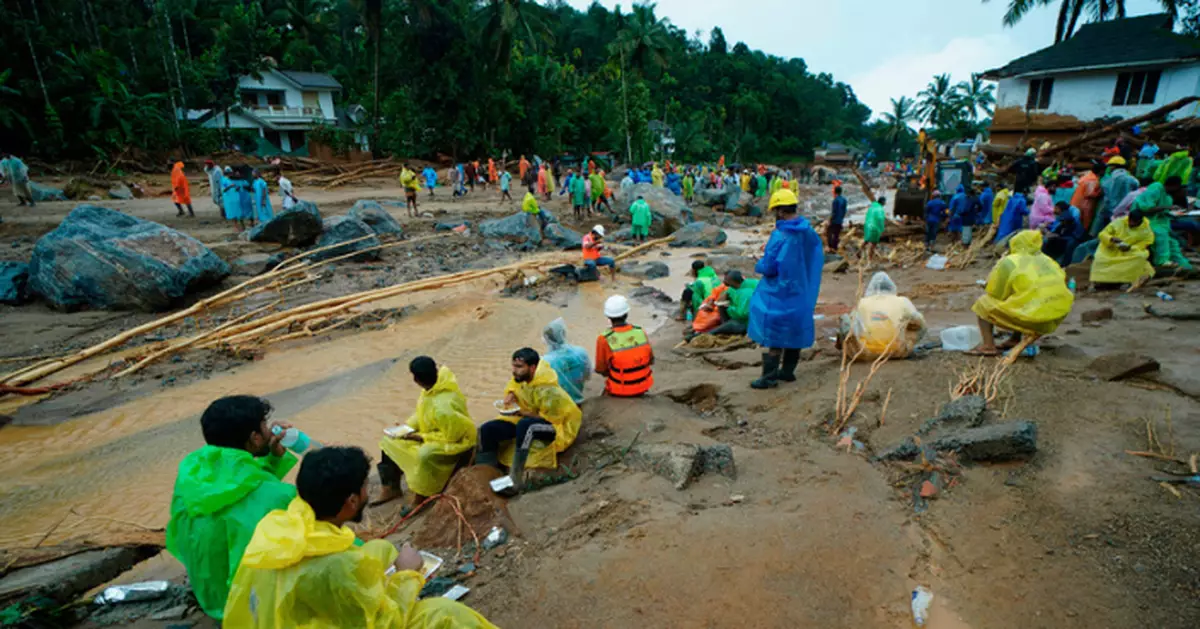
[529, 205]
[1026, 293]
[223, 490]
[570, 362]
[640, 219]
[411, 185]
[883, 322]
[873, 226]
[656, 175]
[213, 172]
[546, 415]
[262, 199]
[181, 192]
[781, 309]
[696, 292]
[623, 353]
[305, 568]
[1123, 256]
[442, 433]
[592, 248]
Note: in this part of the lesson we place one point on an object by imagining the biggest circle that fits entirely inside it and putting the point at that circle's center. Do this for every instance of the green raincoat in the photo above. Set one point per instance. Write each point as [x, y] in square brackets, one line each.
[1155, 203]
[739, 300]
[706, 281]
[762, 187]
[640, 213]
[1179, 163]
[578, 190]
[874, 223]
[220, 495]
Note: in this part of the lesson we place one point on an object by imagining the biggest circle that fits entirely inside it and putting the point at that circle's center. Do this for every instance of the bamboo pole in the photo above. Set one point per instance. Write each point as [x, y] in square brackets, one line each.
[171, 349]
[642, 247]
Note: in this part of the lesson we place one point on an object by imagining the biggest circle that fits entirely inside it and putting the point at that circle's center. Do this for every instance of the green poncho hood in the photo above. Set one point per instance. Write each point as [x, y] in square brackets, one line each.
[213, 478]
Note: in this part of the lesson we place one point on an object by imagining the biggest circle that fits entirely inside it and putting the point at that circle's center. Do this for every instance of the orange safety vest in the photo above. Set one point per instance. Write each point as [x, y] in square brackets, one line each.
[629, 371]
[590, 250]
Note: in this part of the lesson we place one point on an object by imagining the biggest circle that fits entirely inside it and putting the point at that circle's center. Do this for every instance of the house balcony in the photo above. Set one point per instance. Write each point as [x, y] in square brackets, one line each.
[280, 112]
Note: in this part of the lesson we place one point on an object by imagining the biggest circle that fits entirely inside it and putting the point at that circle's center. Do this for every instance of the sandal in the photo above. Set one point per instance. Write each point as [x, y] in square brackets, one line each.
[982, 352]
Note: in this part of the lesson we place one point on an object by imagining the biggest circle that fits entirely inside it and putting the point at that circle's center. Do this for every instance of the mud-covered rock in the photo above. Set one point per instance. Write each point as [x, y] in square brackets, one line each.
[377, 218]
[966, 411]
[297, 227]
[646, 270]
[1005, 441]
[101, 258]
[121, 192]
[14, 283]
[1122, 365]
[681, 463]
[521, 227]
[699, 234]
[563, 237]
[343, 229]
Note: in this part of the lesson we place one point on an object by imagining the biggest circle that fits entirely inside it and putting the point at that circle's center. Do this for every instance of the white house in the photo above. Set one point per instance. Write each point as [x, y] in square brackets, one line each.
[1115, 69]
[283, 105]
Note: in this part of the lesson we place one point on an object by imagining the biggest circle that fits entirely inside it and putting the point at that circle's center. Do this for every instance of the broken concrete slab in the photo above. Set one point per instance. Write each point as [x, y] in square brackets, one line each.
[1179, 312]
[681, 463]
[64, 579]
[1122, 365]
[967, 411]
[1005, 441]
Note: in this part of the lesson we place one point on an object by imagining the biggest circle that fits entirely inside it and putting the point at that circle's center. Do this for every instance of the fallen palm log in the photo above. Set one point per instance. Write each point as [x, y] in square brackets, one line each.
[642, 247]
[1124, 124]
[862, 181]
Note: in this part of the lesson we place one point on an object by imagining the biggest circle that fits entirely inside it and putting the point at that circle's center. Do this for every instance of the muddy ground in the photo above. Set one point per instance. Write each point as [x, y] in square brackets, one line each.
[807, 534]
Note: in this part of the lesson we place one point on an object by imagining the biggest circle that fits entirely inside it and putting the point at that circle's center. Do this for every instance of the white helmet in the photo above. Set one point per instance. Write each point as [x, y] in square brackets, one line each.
[616, 306]
[599, 229]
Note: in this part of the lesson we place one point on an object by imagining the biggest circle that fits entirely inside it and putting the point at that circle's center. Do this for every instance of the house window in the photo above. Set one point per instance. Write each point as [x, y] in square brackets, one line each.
[1136, 88]
[1039, 94]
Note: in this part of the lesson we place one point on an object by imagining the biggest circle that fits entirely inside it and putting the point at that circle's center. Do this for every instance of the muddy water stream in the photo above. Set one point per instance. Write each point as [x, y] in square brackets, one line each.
[120, 463]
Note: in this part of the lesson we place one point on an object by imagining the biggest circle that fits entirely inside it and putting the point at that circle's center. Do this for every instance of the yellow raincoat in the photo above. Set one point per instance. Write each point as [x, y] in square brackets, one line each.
[1027, 290]
[884, 322]
[442, 419]
[656, 176]
[999, 203]
[529, 204]
[299, 572]
[1113, 266]
[543, 397]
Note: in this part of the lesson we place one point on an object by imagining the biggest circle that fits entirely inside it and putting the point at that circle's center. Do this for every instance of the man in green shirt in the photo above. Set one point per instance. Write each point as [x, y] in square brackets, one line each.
[696, 292]
[223, 490]
[735, 314]
[1156, 203]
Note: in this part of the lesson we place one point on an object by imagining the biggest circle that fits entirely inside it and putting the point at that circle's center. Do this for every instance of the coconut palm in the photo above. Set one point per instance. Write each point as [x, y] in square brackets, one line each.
[507, 21]
[976, 95]
[1069, 12]
[903, 112]
[938, 104]
[643, 39]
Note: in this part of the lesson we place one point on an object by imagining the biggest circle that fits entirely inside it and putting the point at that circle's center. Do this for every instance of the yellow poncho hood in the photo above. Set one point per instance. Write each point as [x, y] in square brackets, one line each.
[285, 538]
[1026, 242]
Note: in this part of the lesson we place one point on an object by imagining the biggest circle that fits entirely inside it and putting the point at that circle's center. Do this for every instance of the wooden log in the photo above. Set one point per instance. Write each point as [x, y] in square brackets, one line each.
[642, 247]
[1124, 124]
[176, 347]
[862, 181]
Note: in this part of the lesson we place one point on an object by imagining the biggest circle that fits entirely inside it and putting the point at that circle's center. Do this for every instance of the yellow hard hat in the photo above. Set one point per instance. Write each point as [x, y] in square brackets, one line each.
[1117, 161]
[783, 196]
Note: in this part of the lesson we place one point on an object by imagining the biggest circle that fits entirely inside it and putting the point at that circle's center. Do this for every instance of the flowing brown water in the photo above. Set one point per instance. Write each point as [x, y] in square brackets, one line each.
[120, 463]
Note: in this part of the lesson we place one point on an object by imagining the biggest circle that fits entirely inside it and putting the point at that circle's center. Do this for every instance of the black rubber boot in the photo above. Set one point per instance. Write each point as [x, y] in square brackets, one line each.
[770, 372]
[787, 372]
[517, 471]
[487, 458]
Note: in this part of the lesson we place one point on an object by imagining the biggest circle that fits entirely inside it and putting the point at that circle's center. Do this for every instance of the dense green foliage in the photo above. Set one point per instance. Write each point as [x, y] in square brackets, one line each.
[459, 77]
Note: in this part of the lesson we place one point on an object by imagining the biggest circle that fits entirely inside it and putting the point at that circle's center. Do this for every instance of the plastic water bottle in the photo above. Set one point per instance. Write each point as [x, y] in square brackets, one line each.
[921, 598]
[295, 440]
[1163, 295]
[1071, 285]
[961, 338]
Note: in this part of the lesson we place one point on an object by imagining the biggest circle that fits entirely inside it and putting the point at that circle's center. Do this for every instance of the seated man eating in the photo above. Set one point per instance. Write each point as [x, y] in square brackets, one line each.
[545, 413]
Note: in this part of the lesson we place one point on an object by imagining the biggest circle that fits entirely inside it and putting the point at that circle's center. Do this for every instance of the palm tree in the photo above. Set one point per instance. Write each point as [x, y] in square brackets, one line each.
[643, 38]
[977, 95]
[938, 102]
[1070, 11]
[903, 112]
[508, 20]
[372, 16]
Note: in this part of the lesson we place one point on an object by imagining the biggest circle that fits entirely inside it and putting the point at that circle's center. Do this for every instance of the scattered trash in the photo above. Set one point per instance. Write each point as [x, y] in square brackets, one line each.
[984, 283]
[456, 592]
[430, 564]
[503, 486]
[437, 586]
[961, 338]
[736, 498]
[1070, 285]
[144, 591]
[818, 317]
[937, 262]
[846, 439]
[928, 489]
[1165, 296]
[495, 537]
[921, 599]
[467, 568]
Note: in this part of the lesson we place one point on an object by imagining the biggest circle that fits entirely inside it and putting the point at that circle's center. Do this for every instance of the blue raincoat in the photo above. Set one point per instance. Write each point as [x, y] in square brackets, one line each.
[245, 191]
[958, 205]
[229, 194]
[985, 201]
[262, 201]
[1013, 218]
[430, 177]
[570, 362]
[781, 309]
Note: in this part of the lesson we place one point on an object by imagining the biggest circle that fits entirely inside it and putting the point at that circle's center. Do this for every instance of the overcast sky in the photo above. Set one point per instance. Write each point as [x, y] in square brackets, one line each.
[882, 49]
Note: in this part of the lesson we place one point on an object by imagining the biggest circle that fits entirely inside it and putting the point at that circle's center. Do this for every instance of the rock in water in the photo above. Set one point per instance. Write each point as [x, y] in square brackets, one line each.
[14, 283]
[341, 229]
[101, 258]
[563, 237]
[520, 227]
[377, 218]
[297, 227]
[699, 234]
[45, 193]
[647, 270]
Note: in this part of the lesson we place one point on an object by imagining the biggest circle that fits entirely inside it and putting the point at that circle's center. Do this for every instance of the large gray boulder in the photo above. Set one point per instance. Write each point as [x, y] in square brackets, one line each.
[297, 227]
[712, 197]
[101, 258]
[377, 218]
[699, 234]
[342, 229]
[661, 200]
[649, 270]
[45, 193]
[564, 237]
[14, 283]
[120, 192]
[521, 227]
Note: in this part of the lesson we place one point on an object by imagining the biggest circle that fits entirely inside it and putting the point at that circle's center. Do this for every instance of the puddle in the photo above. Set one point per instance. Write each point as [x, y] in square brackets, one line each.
[120, 463]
